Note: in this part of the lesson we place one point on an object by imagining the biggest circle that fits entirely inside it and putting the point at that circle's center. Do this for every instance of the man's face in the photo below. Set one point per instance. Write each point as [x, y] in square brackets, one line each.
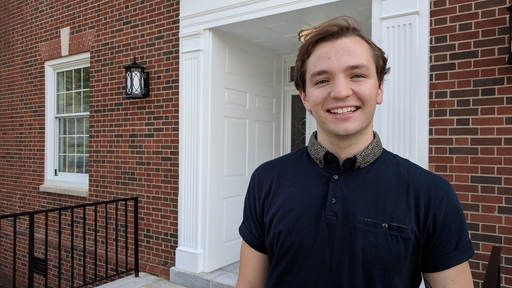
[342, 89]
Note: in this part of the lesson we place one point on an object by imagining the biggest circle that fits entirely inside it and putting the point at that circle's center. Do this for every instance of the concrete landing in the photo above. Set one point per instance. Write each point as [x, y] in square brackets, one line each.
[224, 277]
[145, 280]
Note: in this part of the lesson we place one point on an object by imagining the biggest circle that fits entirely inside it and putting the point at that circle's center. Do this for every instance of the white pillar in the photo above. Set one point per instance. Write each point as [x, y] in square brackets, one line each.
[189, 254]
[401, 29]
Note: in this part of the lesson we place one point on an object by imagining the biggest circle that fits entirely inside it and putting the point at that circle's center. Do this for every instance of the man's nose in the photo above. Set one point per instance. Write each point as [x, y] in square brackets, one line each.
[341, 88]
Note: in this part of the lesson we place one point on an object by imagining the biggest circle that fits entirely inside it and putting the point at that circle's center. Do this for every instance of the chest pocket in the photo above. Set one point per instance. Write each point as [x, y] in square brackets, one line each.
[376, 226]
[387, 249]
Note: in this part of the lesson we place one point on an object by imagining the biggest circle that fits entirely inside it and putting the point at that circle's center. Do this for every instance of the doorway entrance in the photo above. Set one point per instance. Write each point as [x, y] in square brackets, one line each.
[237, 102]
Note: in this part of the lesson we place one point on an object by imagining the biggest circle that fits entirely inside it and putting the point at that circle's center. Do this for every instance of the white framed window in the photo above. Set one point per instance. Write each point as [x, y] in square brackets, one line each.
[298, 124]
[67, 125]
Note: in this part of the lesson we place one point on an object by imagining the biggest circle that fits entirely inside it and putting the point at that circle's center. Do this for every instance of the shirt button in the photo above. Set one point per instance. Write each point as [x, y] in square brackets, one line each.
[335, 177]
[333, 200]
[384, 225]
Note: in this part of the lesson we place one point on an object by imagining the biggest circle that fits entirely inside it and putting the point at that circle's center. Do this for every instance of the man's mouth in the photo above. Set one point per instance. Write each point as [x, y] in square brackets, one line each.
[344, 110]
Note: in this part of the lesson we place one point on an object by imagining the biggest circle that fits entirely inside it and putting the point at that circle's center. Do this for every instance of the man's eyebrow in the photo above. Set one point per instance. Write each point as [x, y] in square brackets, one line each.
[360, 67]
[317, 73]
[355, 67]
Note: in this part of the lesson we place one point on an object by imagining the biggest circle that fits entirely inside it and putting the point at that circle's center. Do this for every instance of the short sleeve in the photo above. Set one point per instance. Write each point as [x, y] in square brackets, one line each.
[252, 228]
[447, 243]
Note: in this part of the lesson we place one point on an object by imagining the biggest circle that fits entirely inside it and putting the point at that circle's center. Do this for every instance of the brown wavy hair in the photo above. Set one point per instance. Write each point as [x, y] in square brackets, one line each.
[333, 30]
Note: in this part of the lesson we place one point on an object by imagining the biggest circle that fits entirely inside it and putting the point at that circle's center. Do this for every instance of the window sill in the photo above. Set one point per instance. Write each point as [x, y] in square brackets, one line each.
[66, 188]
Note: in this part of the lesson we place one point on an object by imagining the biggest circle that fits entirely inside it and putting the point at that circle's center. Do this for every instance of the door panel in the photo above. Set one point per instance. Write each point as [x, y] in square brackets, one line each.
[245, 125]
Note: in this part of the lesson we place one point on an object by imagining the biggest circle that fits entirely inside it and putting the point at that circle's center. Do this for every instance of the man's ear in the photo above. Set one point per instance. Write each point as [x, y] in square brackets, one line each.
[380, 92]
[304, 99]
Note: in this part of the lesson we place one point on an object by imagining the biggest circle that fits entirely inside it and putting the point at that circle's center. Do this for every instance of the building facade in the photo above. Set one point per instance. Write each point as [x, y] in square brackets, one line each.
[124, 147]
[470, 119]
[221, 102]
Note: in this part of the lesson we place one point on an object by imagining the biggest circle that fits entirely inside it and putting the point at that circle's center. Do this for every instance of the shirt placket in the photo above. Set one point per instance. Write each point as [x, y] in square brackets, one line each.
[332, 205]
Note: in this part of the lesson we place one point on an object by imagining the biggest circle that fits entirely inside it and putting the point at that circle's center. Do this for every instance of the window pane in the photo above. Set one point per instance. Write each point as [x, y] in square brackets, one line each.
[61, 101]
[77, 102]
[63, 163]
[79, 164]
[80, 126]
[85, 99]
[298, 124]
[60, 81]
[63, 145]
[71, 164]
[86, 124]
[63, 126]
[69, 103]
[69, 80]
[85, 75]
[71, 145]
[86, 164]
[71, 126]
[86, 145]
[80, 145]
[77, 79]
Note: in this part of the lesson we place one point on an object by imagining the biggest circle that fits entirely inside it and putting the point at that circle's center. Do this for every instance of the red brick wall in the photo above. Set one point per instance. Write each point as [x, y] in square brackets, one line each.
[133, 143]
[471, 119]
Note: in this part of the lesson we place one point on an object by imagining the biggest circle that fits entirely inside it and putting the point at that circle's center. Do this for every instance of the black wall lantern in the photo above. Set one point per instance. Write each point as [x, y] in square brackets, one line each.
[137, 81]
[509, 61]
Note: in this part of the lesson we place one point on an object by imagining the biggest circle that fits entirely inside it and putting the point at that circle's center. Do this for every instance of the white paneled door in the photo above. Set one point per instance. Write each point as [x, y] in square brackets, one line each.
[246, 128]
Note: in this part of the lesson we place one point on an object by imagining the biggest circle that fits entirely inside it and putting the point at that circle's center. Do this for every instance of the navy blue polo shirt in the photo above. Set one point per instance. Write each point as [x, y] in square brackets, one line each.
[377, 220]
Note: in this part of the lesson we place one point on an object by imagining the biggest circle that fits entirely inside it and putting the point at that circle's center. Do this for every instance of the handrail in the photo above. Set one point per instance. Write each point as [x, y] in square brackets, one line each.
[76, 226]
[66, 208]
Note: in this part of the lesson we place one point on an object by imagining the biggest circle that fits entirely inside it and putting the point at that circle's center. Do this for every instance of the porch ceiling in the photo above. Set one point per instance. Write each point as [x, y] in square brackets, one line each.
[279, 32]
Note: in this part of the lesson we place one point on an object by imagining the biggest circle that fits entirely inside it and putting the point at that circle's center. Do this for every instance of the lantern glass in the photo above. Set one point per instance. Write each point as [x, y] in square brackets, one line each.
[136, 81]
[128, 82]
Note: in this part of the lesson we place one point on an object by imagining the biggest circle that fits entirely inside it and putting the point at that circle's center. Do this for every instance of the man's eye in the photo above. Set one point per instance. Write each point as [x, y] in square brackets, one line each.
[358, 76]
[320, 82]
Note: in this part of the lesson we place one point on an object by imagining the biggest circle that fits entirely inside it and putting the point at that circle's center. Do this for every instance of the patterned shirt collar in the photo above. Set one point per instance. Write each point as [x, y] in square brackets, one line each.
[363, 159]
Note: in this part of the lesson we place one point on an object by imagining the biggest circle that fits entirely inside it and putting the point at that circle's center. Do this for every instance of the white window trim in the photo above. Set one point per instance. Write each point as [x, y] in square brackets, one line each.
[65, 183]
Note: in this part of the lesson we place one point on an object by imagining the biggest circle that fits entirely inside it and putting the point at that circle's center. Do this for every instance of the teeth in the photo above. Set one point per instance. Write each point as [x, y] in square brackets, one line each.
[343, 110]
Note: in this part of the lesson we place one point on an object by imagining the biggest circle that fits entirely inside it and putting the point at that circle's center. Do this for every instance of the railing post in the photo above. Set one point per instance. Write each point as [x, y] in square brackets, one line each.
[126, 235]
[31, 251]
[72, 250]
[14, 254]
[117, 237]
[136, 234]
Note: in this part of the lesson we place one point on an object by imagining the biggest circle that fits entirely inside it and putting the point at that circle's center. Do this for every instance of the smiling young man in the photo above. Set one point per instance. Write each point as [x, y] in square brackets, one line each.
[343, 211]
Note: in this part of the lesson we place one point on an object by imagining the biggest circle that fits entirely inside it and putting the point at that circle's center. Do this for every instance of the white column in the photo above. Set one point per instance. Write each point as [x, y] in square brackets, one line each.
[401, 29]
[189, 254]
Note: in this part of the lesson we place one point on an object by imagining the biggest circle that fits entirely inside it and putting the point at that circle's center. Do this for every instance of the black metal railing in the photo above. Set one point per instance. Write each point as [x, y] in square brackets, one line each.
[72, 246]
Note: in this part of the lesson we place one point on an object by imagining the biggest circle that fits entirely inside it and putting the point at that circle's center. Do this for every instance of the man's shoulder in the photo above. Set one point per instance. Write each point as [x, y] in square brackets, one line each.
[284, 162]
[404, 167]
